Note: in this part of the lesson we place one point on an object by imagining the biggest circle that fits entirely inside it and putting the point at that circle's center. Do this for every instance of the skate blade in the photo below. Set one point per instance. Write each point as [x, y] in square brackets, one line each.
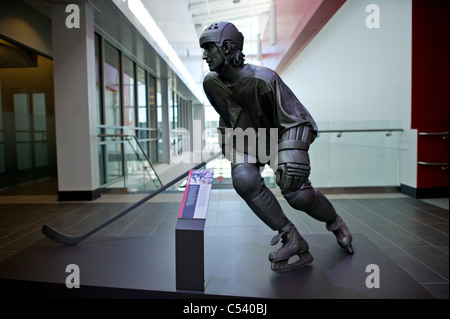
[284, 266]
[347, 246]
[350, 249]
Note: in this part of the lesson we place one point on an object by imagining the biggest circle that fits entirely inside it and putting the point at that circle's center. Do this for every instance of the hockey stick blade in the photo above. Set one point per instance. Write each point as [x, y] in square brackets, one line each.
[73, 240]
[60, 237]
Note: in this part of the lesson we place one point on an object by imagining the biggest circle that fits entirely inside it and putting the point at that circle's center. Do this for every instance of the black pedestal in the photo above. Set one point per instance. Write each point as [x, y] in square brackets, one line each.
[189, 254]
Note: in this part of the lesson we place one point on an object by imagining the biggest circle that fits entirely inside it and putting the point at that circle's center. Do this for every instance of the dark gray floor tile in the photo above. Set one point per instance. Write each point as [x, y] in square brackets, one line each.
[401, 237]
[427, 233]
[419, 271]
[431, 257]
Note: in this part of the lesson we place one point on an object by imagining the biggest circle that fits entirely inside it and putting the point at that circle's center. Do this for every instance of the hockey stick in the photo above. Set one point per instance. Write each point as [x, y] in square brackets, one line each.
[73, 240]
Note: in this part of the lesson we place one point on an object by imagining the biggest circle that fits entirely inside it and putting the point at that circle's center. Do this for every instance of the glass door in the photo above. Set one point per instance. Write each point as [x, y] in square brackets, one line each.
[27, 121]
[30, 120]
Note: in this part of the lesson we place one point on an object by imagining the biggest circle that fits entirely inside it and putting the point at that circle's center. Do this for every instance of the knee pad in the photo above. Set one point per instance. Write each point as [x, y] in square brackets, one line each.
[247, 181]
[303, 199]
[312, 202]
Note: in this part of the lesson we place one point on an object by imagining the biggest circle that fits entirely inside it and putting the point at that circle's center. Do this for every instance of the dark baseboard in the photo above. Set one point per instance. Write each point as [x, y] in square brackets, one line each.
[429, 192]
[79, 195]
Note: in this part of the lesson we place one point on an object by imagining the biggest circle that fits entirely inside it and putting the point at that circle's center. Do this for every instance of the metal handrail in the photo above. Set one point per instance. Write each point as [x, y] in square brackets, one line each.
[362, 130]
[128, 127]
[444, 166]
[432, 164]
[433, 133]
[131, 136]
[388, 130]
[444, 135]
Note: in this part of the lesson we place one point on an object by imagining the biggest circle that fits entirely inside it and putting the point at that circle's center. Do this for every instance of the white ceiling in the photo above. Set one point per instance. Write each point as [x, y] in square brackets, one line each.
[182, 21]
[205, 12]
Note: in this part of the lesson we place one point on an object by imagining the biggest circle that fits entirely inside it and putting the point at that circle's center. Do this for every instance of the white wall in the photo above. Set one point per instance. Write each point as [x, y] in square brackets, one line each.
[353, 73]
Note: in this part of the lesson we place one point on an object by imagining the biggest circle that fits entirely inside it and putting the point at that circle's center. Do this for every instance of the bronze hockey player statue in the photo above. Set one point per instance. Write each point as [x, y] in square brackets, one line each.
[248, 96]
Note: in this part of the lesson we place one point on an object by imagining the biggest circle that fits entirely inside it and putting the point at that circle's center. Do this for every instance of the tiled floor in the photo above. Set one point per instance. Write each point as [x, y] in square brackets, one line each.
[412, 232]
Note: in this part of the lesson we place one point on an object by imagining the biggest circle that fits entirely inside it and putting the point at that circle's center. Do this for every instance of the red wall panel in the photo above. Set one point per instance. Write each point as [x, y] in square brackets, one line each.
[430, 93]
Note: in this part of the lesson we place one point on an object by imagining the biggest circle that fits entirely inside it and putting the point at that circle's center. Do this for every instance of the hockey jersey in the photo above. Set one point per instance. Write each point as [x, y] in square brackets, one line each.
[258, 99]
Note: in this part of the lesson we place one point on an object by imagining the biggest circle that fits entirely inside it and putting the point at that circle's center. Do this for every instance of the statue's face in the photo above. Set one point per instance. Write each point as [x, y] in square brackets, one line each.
[213, 57]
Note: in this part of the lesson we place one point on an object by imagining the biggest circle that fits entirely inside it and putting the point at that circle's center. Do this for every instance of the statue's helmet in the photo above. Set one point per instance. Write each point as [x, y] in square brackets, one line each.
[221, 31]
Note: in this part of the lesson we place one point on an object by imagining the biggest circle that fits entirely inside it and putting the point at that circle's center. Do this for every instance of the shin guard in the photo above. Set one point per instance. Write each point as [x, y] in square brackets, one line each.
[267, 208]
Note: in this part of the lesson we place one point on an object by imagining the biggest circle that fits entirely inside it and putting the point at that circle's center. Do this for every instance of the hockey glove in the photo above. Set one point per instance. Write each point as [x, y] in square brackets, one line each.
[293, 158]
[291, 175]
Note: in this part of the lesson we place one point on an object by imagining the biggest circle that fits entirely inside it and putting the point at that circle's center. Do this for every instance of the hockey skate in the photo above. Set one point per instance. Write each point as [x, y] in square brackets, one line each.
[293, 244]
[343, 235]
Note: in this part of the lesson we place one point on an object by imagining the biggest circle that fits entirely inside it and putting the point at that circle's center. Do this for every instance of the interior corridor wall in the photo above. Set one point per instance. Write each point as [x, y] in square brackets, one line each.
[352, 73]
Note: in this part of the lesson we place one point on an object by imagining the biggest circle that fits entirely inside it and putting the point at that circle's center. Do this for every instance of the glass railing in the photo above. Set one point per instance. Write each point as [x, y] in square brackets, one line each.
[348, 154]
[124, 163]
[345, 154]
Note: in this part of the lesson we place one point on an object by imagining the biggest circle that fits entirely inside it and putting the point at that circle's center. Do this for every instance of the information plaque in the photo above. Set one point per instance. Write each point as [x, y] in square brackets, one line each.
[196, 194]
[189, 233]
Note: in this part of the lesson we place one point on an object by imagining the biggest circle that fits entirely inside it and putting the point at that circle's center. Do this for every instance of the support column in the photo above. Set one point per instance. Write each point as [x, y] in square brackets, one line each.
[75, 101]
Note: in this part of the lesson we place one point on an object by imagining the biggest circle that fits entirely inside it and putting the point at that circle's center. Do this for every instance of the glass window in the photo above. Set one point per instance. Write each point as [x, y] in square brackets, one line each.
[97, 81]
[153, 98]
[142, 117]
[98, 102]
[113, 152]
[170, 105]
[23, 128]
[112, 86]
[159, 117]
[40, 129]
[142, 99]
[128, 93]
